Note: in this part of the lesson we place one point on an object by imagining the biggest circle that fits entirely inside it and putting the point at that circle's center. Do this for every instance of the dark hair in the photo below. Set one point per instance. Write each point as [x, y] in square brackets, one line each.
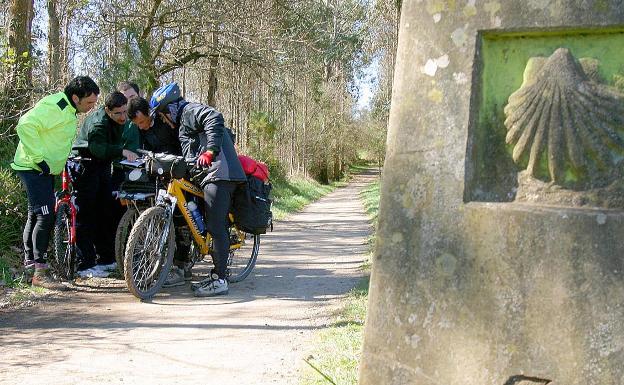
[138, 105]
[81, 86]
[122, 86]
[115, 99]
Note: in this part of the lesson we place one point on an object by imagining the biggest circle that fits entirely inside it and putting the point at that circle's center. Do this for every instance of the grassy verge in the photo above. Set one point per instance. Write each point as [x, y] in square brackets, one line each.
[336, 354]
[12, 218]
[291, 195]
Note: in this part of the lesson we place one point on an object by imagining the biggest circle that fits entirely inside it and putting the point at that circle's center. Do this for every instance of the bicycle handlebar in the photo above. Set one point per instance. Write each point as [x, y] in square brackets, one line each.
[78, 158]
[190, 163]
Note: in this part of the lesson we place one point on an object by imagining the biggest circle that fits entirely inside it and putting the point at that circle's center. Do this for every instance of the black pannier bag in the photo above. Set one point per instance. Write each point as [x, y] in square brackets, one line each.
[167, 166]
[252, 206]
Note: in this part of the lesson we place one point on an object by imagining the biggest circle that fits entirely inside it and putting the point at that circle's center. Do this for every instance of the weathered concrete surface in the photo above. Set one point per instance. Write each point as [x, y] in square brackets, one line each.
[472, 292]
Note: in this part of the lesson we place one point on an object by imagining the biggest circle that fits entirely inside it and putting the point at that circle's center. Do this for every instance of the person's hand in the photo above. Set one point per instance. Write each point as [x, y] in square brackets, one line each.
[45, 169]
[131, 156]
[205, 159]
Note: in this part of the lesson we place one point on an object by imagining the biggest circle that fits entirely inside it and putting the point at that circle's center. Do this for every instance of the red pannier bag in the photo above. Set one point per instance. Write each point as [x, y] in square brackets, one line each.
[254, 168]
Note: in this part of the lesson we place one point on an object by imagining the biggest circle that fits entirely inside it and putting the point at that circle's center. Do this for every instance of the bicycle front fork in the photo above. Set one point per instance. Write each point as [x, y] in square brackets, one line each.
[167, 201]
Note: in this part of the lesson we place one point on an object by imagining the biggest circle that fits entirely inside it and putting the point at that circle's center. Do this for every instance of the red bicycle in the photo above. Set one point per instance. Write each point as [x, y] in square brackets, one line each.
[64, 241]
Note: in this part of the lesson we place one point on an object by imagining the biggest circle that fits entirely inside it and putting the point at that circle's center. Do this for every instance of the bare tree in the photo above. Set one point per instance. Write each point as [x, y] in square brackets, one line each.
[54, 44]
[19, 34]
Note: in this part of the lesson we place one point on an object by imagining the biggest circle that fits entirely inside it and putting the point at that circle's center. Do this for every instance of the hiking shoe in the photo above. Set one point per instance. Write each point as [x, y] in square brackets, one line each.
[175, 277]
[93, 272]
[42, 278]
[211, 288]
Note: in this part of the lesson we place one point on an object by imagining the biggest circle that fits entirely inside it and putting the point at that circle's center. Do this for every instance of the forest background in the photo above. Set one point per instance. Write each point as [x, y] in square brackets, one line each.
[288, 75]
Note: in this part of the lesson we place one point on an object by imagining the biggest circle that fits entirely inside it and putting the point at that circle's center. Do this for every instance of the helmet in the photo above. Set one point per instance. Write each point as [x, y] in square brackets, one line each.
[164, 95]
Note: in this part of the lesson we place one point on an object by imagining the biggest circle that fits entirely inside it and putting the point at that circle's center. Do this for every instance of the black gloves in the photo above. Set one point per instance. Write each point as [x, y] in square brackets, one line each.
[45, 169]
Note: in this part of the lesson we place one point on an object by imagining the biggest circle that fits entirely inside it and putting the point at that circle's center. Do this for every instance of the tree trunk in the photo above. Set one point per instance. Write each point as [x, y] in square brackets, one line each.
[19, 33]
[65, 58]
[212, 71]
[54, 45]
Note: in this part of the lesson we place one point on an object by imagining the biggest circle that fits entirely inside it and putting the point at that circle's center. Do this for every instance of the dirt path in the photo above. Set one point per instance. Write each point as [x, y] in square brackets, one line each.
[258, 334]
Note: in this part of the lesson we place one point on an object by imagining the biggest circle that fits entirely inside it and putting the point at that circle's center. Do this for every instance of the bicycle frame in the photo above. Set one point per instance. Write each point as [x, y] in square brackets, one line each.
[175, 195]
[65, 196]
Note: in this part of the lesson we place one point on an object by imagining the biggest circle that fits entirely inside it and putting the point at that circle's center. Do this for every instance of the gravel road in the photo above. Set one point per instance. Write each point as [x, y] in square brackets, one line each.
[258, 334]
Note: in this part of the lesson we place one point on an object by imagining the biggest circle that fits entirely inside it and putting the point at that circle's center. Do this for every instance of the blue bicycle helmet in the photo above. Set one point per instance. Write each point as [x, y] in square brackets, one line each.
[164, 95]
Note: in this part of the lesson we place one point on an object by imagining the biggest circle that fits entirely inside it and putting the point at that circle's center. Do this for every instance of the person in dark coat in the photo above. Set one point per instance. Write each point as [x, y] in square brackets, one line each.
[154, 134]
[204, 137]
[101, 140]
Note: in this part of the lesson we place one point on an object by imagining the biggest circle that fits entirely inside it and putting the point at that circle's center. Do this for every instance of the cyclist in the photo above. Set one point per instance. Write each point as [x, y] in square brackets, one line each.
[204, 137]
[46, 133]
[131, 139]
[100, 139]
[154, 134]
[157, 136]
[130, 132]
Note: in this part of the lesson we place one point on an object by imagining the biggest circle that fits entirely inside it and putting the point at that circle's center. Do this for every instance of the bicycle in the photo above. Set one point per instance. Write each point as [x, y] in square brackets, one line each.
[151, 245]
[63, 259]
[137, 193]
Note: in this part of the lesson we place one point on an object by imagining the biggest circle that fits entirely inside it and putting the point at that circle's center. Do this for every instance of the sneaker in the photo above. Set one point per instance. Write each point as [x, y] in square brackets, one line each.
[188, 272]
[211, 288]
[42, 278]
[93, 272]
[175, 277]
[29, 270]
[109, 267]
[197, 285]
[29, 264]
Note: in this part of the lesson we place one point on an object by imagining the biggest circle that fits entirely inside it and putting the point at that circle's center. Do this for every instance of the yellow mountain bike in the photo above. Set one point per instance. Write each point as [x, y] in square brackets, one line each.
[152, 241]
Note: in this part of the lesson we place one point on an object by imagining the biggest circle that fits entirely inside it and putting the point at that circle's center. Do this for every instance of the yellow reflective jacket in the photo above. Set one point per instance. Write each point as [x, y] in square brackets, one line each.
[46, 133]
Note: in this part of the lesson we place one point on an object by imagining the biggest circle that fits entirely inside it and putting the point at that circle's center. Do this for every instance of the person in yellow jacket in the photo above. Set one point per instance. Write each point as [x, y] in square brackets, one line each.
[46, 134]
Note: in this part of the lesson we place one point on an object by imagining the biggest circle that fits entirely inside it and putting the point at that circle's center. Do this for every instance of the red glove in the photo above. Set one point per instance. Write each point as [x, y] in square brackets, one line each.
[205, 159]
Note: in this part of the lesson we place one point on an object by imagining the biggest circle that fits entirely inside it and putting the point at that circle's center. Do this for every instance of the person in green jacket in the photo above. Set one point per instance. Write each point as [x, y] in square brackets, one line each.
[131, 142]
[130, 132]
[101, 140]
[46, 133]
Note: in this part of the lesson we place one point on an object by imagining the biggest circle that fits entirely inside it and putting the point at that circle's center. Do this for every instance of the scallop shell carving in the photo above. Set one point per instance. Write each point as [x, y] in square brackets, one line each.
[563, 113]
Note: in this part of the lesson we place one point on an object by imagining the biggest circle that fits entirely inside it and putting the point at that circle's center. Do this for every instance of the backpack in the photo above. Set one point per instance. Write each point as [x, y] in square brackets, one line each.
[252, 204]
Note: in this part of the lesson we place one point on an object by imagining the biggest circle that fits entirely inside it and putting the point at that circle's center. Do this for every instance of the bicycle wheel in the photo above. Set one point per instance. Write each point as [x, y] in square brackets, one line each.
[63, 259]
[243, 254]
[145, 266]
[121, 236]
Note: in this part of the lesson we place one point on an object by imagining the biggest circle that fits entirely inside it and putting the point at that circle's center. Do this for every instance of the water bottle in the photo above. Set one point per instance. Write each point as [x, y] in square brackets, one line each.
[197, 216]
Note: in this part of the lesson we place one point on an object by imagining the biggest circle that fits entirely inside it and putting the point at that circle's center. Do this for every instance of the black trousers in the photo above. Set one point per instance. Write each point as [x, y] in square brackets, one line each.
[118, 210]
[218, 197]
[95, 231]
[36, 235]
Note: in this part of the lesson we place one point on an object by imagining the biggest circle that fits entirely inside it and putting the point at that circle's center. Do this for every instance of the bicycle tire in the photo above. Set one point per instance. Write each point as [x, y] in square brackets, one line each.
[122, 234]
[145, 270]
[63, 259]
[242, 260]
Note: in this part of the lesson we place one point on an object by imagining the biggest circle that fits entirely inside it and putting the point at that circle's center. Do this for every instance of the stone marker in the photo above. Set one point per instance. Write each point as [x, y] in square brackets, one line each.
[500, 251]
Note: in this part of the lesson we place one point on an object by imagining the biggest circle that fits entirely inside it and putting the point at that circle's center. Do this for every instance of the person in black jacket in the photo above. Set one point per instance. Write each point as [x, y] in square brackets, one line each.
[100, 140]
[204, 137]
[154, 134]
